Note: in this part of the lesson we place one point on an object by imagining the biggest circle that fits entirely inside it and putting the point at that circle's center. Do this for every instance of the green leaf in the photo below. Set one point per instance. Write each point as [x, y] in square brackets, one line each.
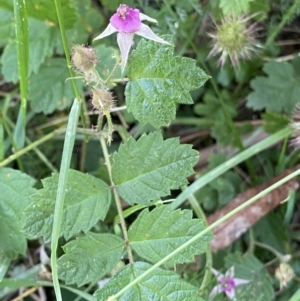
[15, 189]
[279, 92]
[87, 200]
[148, 168]
[296, 296]
[112, 5]
[89, 258]
[2, 144]
[107, 61]
[6, 26]
[212, 109]
[160, 285]
[158, 81]
[47, 92]
[275, 121]
[4, 265]
[234, 7]
[45, 10]
[267, 230]
[250, 268]
[154, 235]
[42, 42]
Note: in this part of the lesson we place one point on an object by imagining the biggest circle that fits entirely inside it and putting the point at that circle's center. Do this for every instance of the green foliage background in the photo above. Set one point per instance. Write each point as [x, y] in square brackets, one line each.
[172, 94]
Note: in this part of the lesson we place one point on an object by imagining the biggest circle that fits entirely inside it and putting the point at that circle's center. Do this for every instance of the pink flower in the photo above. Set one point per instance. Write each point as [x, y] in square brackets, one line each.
[227, 283]
[127, 22]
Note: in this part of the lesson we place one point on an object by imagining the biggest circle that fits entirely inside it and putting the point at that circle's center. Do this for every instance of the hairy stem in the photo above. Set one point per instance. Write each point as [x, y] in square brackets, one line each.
[117, 198]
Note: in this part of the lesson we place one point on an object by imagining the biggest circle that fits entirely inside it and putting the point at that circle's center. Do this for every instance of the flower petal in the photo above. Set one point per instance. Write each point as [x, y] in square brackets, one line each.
[215, 290]
[230, 272]
[230, 294]
[238, 281]
[146, 32]
[107, 32]
[147, 18]
[128, 23]
[218, 275]
[125, 41]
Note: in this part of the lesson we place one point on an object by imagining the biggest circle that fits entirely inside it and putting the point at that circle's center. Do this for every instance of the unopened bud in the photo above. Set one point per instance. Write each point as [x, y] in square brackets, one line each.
[84, 58]
[284, 273]
[102, 100]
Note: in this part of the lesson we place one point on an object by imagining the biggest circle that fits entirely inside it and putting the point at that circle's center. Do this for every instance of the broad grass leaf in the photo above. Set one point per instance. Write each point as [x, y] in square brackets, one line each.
[159, 81]
[89, 258]
[15, 187]
[87, 200]
[155, 234]
[160, 285]
[147, 169]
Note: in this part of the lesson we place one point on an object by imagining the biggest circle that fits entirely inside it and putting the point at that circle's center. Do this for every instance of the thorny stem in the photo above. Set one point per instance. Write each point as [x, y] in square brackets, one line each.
[117, 198]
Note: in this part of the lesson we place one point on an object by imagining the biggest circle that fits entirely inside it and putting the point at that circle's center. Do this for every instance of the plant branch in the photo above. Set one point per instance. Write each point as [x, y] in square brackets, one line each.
[117, 198]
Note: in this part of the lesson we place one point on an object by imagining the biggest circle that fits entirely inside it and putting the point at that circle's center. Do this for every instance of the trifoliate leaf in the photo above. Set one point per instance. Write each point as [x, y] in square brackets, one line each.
[148, 168]
[279, 92]
[154, 235]
[89, 258]
[234, 7]
[87, 200]
[47, 92]
[250, 268]
[15, 188]
[160, 285]
[158, 81]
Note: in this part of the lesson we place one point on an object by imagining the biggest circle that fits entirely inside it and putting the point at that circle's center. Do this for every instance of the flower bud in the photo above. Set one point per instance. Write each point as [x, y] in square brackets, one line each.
[284, 273]
[84, 58]
[102, 100]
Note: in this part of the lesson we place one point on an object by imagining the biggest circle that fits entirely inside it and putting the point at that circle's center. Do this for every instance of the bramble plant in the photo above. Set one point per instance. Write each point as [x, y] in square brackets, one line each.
[123, 211]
